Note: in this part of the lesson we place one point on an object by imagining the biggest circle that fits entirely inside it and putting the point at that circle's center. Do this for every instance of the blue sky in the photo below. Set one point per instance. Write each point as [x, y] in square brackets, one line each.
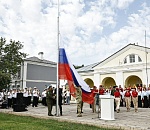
[90, 30]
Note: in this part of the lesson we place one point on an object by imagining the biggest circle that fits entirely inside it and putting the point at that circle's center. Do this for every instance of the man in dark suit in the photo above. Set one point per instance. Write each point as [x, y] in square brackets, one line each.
[59, 99]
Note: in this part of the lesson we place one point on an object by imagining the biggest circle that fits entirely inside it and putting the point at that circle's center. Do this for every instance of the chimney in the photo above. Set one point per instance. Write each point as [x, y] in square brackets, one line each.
[41, 55]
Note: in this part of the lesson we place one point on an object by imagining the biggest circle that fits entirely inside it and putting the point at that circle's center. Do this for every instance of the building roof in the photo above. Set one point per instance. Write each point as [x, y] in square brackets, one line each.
[36, 59]
[124, 49]
[88, 67]
[91, 66]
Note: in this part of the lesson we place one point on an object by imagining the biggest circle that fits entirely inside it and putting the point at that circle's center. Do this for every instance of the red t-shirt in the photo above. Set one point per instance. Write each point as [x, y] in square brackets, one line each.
[101, 91]
[127, 94]
[94, 91]
[117, 94]
[134, 93]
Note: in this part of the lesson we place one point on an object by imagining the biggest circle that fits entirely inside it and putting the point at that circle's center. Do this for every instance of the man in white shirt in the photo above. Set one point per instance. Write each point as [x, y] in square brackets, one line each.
[14, 96]
[145, 97]
[148, 92]
[44, 97]
[9, 98]
[25, 96]
[35, 97]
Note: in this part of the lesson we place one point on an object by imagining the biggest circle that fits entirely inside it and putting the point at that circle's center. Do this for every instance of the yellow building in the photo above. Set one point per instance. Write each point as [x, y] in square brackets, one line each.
[128, 66]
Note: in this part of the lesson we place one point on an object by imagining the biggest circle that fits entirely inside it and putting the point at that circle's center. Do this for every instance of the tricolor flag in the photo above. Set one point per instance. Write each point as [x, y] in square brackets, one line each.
[69, 73]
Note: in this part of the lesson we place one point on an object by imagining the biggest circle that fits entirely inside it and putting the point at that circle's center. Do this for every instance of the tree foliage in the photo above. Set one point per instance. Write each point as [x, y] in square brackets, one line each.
[5, 79]
[11, 58]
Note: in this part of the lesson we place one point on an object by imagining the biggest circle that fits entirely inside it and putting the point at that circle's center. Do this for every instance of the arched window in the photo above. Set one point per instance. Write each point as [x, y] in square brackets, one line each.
[132, 58]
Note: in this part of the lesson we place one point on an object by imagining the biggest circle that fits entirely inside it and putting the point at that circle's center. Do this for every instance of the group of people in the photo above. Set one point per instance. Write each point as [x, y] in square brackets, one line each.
[27, 94]
[51, 99]
[128, 97]
[134, 97]
[31, 97]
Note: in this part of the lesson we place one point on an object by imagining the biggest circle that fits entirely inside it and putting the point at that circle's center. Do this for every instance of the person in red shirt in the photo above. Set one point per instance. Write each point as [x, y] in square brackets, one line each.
[94, 92]
[101, 90]
[117, 99]
[135, 99]
[127, 96]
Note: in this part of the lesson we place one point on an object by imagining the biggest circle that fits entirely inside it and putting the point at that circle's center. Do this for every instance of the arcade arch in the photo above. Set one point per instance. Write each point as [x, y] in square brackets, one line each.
[108, 81]
[89, 82]
[133, 80]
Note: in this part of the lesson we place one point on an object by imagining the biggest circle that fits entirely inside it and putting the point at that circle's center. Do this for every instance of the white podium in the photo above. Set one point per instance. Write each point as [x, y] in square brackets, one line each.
[107, 107]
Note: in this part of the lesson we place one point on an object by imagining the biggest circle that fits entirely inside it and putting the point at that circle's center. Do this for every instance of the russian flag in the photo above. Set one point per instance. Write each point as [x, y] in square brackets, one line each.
[69, 73]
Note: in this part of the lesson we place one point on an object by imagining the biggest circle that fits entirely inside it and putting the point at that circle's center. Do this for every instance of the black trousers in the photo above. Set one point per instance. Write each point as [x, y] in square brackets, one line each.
[44, 101]
[121, 102]
[149, 101]
[14, 101]
[9, 102]
[35, 101]
[25, 100]
[145, 102]
[29, 100]
[139, 101]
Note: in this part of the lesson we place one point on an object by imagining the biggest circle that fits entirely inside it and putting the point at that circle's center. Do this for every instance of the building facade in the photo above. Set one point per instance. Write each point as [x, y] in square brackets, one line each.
[36, 72]
[127, 67]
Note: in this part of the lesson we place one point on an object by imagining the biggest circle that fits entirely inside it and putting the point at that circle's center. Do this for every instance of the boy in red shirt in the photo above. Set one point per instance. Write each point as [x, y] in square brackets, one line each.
[117, 99]
[128, 99]
[135, 99]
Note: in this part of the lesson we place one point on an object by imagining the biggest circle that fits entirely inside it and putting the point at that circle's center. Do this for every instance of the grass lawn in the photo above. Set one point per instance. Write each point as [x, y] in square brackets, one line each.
[13, 122]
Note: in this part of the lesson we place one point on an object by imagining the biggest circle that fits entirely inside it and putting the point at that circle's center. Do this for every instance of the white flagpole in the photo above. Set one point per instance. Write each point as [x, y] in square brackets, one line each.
[146, 60]
[57, 87]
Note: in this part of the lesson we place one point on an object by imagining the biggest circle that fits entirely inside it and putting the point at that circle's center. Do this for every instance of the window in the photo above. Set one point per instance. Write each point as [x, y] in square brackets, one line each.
[125, 60]
[132, 58]
[139, 59]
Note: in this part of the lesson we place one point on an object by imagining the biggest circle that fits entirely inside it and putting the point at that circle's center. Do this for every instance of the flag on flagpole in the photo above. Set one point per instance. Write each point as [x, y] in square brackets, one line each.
[69, 73]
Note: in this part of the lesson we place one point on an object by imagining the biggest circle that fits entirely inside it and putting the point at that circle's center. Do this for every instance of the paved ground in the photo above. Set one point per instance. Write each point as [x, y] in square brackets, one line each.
[123, 120]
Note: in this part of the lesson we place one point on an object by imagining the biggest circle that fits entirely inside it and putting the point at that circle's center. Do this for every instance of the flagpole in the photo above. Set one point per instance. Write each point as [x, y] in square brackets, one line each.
[57, 87]
[146, 61]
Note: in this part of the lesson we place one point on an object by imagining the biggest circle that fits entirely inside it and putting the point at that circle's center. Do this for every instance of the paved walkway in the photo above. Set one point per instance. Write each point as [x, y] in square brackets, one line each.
[123, 120]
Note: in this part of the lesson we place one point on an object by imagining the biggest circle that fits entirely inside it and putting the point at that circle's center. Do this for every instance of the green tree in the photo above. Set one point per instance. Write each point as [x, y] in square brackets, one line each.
[10, 60]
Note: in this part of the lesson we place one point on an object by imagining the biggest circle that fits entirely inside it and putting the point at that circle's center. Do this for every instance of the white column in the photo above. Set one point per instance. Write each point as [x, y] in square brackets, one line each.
[97, 80]
[146, 76]
[24, 74]
[119, 79]
[144, 79]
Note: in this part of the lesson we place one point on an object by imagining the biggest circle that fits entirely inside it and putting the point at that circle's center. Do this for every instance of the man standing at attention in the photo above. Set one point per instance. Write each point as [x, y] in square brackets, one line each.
[50, 96]
[59, 98]
[117, 99]
[79, 100]
[128, 99]
[135, 99]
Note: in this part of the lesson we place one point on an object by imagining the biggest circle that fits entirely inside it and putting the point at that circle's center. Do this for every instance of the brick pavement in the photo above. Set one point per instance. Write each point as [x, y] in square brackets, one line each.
[123, 120]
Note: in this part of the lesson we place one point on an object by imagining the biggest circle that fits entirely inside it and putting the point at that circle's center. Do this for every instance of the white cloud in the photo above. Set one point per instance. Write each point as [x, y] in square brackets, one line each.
[121, 4]
[82, 25]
